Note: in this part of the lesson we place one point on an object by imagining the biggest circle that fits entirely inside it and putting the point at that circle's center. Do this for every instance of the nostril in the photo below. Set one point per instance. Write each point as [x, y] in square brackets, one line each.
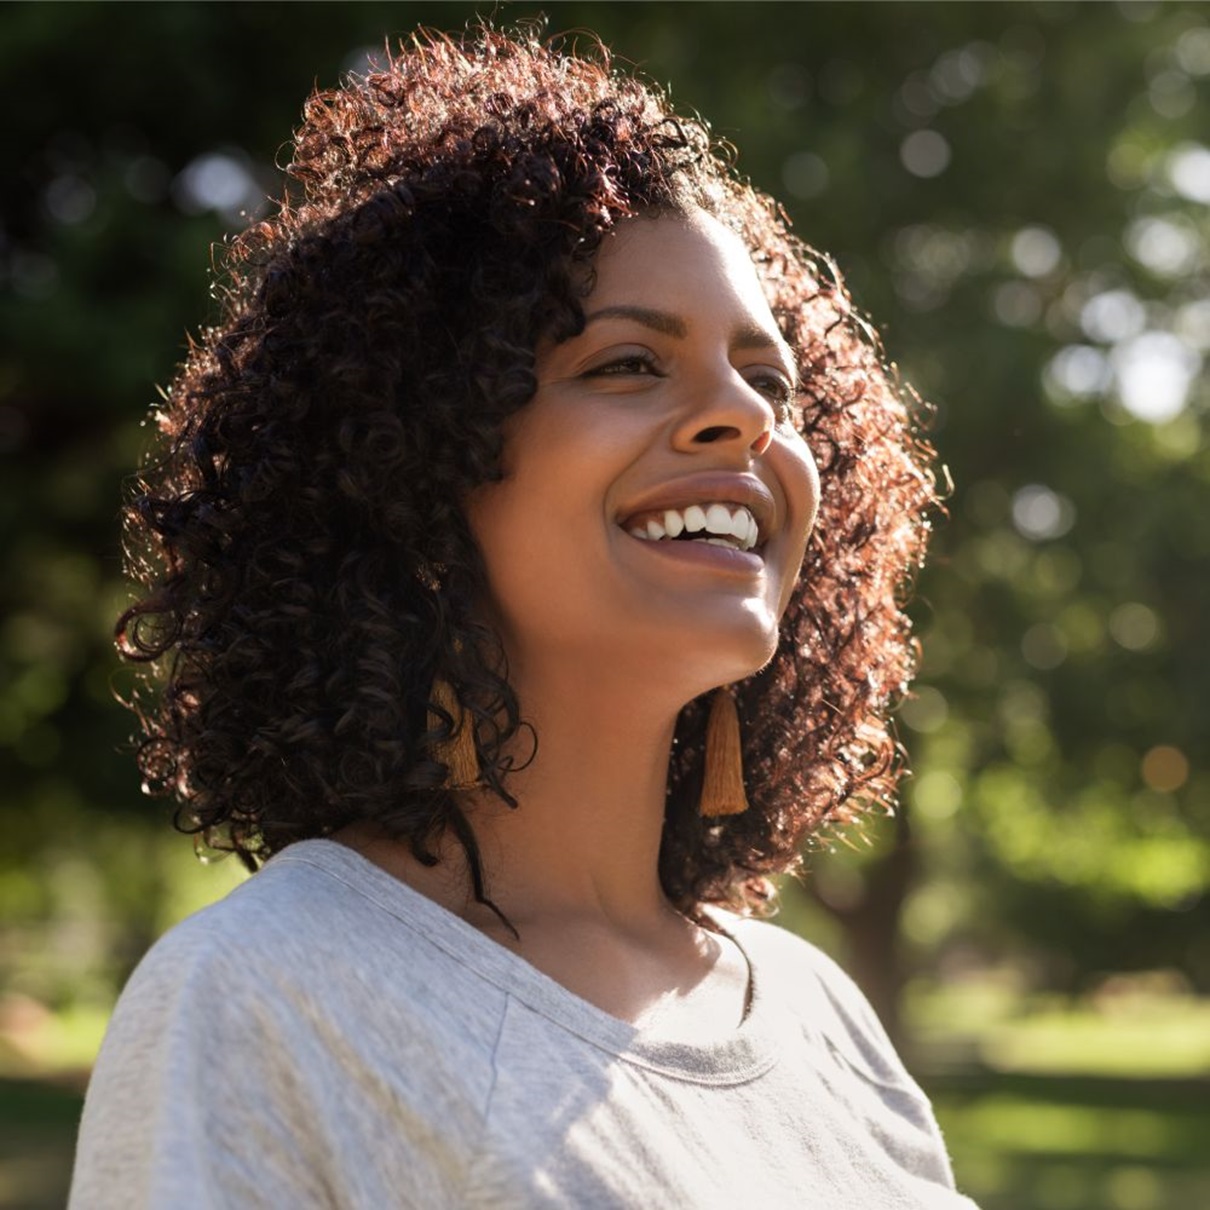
[717, 432]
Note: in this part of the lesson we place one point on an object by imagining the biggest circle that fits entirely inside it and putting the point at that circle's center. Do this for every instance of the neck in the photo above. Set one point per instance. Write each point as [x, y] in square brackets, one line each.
[585, 838]
[575, 867]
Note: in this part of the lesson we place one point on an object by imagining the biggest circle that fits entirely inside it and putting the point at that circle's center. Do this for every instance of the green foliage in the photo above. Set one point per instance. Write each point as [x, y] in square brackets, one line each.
[1067, 1145]
[1015, 190]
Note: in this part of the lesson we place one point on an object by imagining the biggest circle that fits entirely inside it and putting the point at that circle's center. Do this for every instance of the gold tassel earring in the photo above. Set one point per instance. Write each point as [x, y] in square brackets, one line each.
[723, 777]
[457, 753]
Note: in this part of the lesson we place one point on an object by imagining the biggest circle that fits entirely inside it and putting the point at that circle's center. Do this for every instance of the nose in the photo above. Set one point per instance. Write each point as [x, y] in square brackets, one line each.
[728, 411]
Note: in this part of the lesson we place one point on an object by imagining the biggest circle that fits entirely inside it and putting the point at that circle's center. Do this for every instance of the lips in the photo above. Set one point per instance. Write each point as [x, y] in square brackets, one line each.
[715, 508]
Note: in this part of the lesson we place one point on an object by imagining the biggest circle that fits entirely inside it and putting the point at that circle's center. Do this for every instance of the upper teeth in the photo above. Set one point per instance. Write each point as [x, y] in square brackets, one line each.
[733, 523]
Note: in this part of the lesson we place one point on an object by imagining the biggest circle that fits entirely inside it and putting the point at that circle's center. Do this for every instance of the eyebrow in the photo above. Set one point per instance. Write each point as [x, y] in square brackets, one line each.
[746, 336]
[661, 321]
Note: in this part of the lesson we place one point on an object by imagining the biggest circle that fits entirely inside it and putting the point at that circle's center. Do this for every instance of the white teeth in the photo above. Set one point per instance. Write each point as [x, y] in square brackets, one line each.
[718, 519]
[737, 529]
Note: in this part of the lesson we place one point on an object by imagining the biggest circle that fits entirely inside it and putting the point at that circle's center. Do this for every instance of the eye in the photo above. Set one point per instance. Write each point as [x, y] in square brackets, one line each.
[632, 361]
[779, 390]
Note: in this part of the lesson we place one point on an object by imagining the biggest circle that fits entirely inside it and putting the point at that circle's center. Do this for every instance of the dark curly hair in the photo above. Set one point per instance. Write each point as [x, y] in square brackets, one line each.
[307, 564]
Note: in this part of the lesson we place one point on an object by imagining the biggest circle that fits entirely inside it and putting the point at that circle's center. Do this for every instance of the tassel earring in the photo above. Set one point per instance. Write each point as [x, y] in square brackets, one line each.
[723, 777]
[457, 753]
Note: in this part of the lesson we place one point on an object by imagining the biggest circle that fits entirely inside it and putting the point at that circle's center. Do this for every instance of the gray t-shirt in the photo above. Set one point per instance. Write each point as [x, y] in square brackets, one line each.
[326, 1036]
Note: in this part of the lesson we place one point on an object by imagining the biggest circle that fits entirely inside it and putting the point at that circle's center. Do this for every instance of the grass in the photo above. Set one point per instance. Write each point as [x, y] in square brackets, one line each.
[1046, 1142]
[1047, 1105]
[1140, 1028]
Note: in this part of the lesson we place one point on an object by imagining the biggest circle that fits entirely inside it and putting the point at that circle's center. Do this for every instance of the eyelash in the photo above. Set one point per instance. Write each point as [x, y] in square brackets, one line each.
[624, 363]
[782, 395]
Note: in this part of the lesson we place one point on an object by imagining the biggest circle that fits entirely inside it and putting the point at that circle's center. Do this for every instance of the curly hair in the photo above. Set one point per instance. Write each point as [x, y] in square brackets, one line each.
[308, 570]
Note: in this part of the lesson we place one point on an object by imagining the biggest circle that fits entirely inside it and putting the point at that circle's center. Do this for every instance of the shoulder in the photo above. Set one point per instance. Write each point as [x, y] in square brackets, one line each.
[317, 973]
[782, 957]
[290, 1028]
[833, 1017]
[315, 937]
[822, 997]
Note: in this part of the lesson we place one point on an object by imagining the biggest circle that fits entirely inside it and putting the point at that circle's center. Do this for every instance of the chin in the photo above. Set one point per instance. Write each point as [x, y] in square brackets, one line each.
[735, 656]
[767, 651]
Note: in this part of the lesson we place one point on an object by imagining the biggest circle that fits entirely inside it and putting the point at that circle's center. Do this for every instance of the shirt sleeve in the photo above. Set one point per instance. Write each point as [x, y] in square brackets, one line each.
[858, 1040]
[194, 1101]
[870, 1083]
[227, 1080]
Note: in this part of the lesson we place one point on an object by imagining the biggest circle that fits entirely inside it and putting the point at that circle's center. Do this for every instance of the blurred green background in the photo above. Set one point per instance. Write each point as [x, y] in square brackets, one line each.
[1018, 195]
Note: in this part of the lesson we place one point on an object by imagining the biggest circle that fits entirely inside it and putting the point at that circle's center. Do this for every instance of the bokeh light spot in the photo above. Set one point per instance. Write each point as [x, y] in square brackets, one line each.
[937, 794]
[926, 710]
[1171, 93]
[1155, 372]
[1192, 323]
[1022, 703]
[917, 97]
[1134, 626]
[1165, 768]
[70, 199]
[1112, 316]
[362, 61]
[1017, 304]
[1192, 51]
[1077, 372]
[1169, 247]
[925, 153]
[957, 73]
[217, 181]
[1040, 514]
[1036, 251]
[1189, 172]
[1044, 646]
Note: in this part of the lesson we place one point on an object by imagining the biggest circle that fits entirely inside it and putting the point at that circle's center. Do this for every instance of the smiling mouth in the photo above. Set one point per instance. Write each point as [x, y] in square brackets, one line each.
[714, 523]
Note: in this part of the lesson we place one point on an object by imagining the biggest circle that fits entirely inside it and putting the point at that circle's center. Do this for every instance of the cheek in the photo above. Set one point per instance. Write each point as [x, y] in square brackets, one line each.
[536, 532]
[799, 475]
[799, 478]
[514, 530]
[509, 549]
[808, 469]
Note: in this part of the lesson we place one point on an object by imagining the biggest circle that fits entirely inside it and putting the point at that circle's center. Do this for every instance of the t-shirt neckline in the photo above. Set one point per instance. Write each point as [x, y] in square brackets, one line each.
[742, 1054]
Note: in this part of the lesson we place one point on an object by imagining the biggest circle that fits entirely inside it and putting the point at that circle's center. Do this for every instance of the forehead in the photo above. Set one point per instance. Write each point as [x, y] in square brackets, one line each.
[692, 264]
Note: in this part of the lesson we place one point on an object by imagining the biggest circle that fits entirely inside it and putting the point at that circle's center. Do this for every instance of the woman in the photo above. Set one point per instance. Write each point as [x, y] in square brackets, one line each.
[532, 460]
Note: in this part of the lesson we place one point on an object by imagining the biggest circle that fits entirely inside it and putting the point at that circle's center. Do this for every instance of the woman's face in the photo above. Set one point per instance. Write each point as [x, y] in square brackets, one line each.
[657, 496]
